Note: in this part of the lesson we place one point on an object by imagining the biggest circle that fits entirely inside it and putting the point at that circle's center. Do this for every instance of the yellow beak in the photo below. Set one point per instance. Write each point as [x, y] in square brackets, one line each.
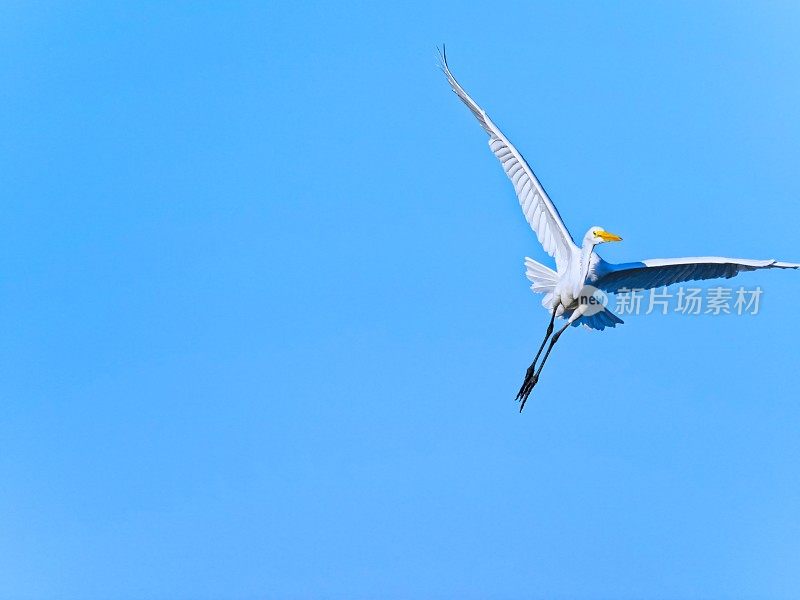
[608, 237]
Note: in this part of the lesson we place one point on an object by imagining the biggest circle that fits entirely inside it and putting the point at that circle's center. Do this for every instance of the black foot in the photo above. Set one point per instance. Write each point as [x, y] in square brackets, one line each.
[527, 387]
[529, 374]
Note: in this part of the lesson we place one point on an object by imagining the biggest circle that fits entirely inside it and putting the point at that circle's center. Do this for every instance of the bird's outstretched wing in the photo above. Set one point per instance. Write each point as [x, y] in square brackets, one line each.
[539, 210]
[657, 272]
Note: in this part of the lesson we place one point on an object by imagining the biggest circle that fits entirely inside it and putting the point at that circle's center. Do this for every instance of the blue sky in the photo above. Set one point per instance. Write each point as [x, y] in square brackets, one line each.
[265, 314]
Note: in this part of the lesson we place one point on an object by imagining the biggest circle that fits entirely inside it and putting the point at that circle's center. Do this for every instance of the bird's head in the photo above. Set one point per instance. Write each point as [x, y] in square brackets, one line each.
[598, 235]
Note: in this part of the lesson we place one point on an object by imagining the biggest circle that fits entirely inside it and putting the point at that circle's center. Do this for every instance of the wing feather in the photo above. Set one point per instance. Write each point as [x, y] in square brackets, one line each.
[657, 272]
[539, 210]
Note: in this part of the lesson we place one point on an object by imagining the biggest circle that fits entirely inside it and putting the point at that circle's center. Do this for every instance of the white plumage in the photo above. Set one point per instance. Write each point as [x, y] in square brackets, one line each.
[565, 288]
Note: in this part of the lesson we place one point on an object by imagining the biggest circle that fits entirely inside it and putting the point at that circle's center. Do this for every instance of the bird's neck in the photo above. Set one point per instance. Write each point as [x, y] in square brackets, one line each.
[586, 258]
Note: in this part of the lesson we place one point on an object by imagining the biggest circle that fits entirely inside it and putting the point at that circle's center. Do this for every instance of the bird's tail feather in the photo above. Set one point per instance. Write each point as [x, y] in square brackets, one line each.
[601, 320]
[543, 278]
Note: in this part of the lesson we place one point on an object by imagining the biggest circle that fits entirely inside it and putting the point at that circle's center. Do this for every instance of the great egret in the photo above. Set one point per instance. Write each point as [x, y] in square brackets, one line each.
[565, 289]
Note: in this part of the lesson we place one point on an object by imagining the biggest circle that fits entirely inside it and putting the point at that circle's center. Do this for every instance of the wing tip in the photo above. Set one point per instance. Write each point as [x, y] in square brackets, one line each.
[442, 52]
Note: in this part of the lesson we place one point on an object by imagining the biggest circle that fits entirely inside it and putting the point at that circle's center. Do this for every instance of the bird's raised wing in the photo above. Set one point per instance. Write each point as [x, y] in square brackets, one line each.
[657, 272]
[539, 210]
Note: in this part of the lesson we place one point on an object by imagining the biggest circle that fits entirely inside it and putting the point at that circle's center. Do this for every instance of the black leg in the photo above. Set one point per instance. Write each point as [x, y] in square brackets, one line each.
[527, 387]
[529, 374]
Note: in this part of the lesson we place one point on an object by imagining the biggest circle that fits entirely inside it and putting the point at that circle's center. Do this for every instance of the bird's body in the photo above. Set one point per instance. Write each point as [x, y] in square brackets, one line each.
[570, 288]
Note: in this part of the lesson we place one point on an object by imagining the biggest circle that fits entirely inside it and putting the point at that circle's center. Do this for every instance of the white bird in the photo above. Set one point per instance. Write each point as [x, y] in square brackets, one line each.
[570, 290]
